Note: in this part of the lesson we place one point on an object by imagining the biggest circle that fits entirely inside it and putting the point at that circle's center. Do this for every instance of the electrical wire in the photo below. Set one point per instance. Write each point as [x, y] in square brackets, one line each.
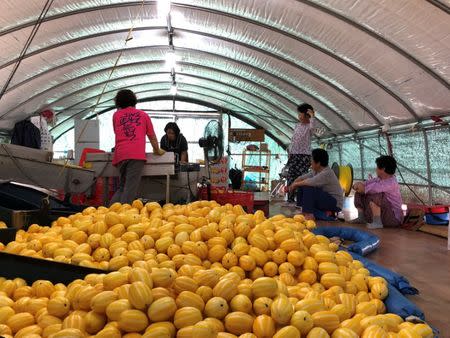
[27, 45]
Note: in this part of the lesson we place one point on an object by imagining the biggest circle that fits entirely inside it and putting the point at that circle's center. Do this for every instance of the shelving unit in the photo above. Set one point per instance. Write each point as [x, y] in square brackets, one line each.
[262, 168]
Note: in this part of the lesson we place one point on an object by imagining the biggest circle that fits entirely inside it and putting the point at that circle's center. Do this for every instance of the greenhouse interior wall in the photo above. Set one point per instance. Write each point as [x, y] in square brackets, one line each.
[422, 155]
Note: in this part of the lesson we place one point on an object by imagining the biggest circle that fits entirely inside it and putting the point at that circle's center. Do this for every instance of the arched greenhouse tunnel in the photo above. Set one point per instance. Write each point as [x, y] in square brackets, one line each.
[375, 73]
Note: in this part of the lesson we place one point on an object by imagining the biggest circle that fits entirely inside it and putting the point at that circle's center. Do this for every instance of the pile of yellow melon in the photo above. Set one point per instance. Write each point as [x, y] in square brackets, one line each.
[198, 270]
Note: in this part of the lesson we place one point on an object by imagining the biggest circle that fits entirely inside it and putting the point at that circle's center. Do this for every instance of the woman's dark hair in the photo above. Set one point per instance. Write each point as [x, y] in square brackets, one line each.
[173, 126]
[320, 156]
[125, 98]
[387, 163]
[303, 108]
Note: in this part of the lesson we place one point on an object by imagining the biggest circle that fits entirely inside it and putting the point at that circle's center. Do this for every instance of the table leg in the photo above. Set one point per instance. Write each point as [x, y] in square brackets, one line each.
[105, 191]
[167, 188]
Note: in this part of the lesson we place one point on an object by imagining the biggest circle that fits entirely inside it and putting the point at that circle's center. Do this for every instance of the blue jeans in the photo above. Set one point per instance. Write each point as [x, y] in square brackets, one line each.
[313, 199]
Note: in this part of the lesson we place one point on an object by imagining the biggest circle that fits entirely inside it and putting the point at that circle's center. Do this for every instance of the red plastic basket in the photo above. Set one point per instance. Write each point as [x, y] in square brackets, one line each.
[224, 196]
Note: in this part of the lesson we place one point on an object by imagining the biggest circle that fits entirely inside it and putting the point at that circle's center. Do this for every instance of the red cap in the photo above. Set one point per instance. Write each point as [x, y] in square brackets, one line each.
[48, 114]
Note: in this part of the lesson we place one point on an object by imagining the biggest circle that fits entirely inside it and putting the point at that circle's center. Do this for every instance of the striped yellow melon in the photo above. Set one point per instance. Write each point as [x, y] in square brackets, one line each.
[82, 300]
[162, 309]
[68, 333]
[264, 287]
[74, 321]
[19, 321]
[117, 262]
[157, 332]
[379, 291]
[381, 308]
[292, 244]
[238, 323]
[225, 288]
[344, 333]
[206, 277]
[184, 283]
[264, 326]
[51, 329]
[241, 303]
[281, 310]
[343, 258]
[46, 320]
[42, 288]
[100, 302]
[94, 322]
[115, 308]
[328, 267]
[203, 329]
[302, 320]
[133, 321]
[29, 331]
[367, 308]
[310, 305]
[287, 332]
[190, 299]
[261, 306]
[187, 316]
[113, 280]
[163, 277]
[374, 320]
[332, 279]
[216, 307]
[318, 332]
[58, 306]
[423, 330]
[327, 320]
[360, 282]
[342, 311]
[375, 331]
[5, 330]
[5, 313]
[325, 256]
[140, 295]
[310, 264]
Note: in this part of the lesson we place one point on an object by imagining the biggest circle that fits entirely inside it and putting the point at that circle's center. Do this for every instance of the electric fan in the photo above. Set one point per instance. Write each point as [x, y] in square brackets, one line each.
[212, 142]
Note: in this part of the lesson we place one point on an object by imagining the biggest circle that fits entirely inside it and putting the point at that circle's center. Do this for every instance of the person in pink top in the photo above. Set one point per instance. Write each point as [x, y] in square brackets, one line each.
[131, 127]
[378, 200]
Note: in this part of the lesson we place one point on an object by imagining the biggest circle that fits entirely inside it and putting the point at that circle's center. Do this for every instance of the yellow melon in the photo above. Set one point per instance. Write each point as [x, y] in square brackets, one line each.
[187, 316]
[281, 310]
[133, 321]
[264, 326]
[238, 323]
[162, 309]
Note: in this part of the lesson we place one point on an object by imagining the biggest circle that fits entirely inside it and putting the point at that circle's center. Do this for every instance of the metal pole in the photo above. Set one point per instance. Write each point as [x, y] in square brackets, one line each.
[361, 155]
[427, 155]
[340, 153]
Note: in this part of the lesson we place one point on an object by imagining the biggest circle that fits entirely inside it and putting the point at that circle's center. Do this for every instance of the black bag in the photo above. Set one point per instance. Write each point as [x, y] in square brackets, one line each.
[236, 178]
[26, 134]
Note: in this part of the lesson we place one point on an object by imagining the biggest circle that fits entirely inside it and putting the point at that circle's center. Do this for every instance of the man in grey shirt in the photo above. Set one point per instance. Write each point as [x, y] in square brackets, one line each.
[320, 190]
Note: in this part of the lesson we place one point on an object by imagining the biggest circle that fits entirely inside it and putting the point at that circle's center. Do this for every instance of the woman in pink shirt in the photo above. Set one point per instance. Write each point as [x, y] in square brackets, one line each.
[378, 200]
[131, 127]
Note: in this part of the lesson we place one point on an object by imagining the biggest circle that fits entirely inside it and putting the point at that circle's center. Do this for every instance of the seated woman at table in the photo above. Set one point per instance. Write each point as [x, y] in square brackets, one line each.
[320, 190]
[174, 141]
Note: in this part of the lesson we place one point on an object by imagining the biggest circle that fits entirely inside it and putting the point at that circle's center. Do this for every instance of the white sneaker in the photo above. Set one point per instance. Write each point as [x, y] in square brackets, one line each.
[373, 226]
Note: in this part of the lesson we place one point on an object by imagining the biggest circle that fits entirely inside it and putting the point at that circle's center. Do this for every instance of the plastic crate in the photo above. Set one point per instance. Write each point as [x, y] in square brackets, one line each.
[225, 196]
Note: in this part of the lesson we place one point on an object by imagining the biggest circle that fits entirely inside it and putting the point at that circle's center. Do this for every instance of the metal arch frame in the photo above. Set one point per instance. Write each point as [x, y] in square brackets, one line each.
[280, 31]
[212, 55]
[196, 101]
[231, 41]
[440, 5]
[193, 85]
[194, 65]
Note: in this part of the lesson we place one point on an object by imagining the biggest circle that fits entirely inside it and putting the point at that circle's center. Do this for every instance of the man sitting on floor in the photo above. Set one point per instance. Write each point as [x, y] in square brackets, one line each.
[318, 191]
[378, 200]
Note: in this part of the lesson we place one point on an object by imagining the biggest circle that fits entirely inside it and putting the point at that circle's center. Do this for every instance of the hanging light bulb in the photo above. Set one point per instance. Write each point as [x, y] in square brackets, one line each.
[163, 8]
[171, 59]
[174, 89]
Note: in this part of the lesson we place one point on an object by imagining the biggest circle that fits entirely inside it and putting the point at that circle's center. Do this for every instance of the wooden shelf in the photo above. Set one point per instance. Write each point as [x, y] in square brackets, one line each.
[256, 170]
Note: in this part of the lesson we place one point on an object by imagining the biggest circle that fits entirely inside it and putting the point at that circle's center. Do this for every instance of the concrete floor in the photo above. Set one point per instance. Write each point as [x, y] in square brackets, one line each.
[422, 258]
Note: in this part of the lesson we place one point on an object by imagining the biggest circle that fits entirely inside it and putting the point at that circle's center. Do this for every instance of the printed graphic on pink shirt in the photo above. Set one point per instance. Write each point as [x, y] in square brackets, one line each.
[129, 121]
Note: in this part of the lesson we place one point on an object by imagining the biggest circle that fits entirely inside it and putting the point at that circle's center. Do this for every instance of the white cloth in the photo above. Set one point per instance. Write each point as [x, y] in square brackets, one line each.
[46, 137]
